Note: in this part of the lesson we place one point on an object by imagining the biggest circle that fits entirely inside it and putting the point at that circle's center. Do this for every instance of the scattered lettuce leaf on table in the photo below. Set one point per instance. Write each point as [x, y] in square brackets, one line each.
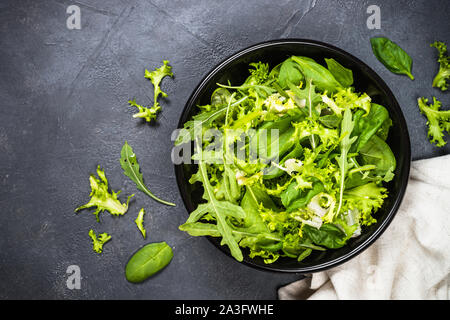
[140, 222]
[438, 120]
[443, 75]
[102, 198]
[156, 76]
[99, 241]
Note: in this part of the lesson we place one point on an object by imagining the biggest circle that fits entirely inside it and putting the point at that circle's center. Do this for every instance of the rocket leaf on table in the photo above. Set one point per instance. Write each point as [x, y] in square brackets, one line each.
[131, 169]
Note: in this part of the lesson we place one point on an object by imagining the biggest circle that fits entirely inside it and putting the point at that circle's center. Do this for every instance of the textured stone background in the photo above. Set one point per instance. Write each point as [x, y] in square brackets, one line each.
[63, 111]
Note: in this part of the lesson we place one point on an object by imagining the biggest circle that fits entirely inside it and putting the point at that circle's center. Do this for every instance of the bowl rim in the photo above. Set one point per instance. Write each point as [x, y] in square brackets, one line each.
[407, 162]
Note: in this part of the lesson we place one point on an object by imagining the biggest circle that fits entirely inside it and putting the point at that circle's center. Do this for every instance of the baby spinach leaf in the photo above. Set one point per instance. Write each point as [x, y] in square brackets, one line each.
[294, 198]
[328, 235]
[369, 125]
[147, 261]
[392, 56]
[321, 76]
[131, 169]
[340, 73]
[289, 72]
[378, 153]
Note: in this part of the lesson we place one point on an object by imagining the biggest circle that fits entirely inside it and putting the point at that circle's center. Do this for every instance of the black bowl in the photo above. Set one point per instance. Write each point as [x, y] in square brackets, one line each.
[235, 70]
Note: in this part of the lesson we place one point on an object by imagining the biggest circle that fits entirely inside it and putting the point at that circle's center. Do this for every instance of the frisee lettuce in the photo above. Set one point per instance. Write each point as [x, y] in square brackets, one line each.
[438, 120]
[443, 75]
[102, 199]
[156, 76]
[140, 222]
[98, 242]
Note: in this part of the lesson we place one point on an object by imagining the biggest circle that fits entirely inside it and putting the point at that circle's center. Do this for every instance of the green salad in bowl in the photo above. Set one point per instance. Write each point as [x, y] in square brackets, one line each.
[291, 161]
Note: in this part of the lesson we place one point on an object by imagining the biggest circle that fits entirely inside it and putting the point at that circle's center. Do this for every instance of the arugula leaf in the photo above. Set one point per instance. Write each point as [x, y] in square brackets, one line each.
[131, 169]
[100, 241]
[102, 198]
[392, 56]
[140, 222]
[156, 77]
[443, 75]
[340, 73]
[220, 210]
[346, 142]
[438, 120]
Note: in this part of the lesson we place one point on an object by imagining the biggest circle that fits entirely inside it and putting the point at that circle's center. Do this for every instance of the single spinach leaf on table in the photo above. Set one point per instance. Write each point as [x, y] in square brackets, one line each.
[147, 261]
[392, 56]
[340, 73]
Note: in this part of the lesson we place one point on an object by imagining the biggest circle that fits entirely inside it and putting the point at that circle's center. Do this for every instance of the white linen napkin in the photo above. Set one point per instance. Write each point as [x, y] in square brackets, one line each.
[410, 260]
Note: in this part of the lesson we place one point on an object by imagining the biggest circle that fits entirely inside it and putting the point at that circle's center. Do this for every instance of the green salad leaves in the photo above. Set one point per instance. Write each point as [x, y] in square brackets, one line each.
[291, 162]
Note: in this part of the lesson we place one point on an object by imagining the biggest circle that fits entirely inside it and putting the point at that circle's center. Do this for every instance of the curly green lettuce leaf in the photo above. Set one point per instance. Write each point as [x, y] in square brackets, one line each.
[259, 73]
[367, 199]
[156, 77]
[99, 241]
[102, 199]
[443, 75]
[148, 114]
[140, 222]
[438, 120]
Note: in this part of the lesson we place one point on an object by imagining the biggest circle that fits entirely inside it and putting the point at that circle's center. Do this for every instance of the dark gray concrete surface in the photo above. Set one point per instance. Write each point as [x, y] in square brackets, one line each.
[64, 111]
